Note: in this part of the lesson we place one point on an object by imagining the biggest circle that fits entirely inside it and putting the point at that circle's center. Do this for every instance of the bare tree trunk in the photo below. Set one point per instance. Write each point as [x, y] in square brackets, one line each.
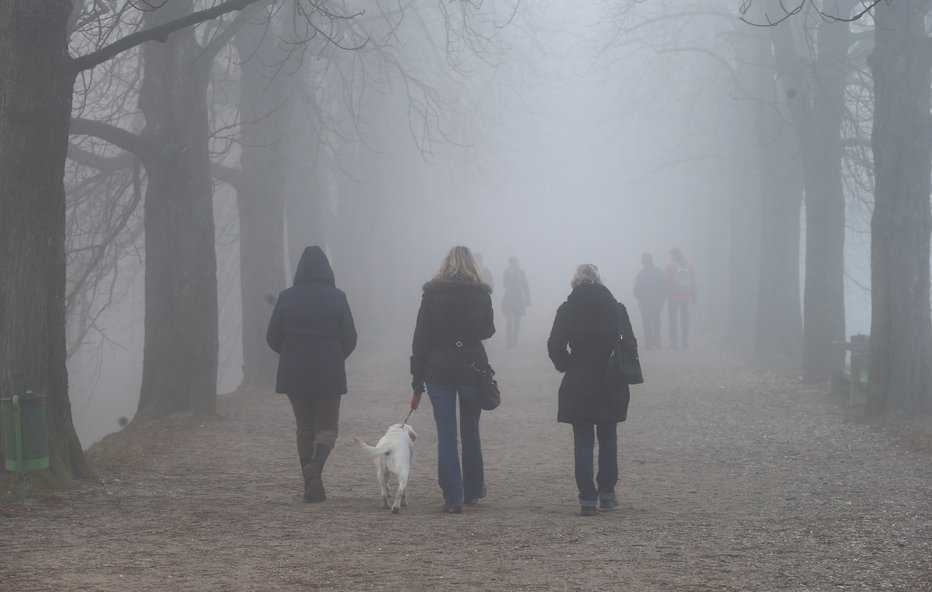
[181, 318]
[901, 222]
[816, 105]
[353, 244]
[779, 318]
[744, 217]
[266, 108]
[35, 107]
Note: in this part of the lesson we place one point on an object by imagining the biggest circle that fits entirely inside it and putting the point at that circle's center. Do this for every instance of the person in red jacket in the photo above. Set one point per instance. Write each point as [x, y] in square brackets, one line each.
[682, 289]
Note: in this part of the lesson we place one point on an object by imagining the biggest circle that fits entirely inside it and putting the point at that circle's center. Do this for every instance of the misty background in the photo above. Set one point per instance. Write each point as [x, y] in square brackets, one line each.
[564, 146]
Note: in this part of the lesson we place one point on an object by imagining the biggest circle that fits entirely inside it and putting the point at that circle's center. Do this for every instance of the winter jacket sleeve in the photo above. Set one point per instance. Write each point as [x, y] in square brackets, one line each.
[348, 334]
[420, 347]
[276, 332]
[488, 320]
[627, 331]
[558, 341]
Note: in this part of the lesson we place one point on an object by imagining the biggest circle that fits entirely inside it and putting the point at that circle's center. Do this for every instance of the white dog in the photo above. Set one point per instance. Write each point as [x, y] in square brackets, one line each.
[392, 456]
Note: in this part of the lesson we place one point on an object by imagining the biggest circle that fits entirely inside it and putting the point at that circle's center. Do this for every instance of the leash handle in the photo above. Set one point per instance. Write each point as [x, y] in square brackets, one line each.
[407, 417]
[415, 401]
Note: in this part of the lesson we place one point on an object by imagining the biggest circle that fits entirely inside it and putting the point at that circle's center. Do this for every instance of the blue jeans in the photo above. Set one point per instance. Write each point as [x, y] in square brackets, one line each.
[470, 483]
[584, 443]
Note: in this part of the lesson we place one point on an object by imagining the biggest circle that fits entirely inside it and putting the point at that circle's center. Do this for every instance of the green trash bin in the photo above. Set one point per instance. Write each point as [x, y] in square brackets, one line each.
[26, 433]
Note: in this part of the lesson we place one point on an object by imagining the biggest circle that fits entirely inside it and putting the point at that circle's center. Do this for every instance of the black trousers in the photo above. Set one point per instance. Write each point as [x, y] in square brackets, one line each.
[317, 418]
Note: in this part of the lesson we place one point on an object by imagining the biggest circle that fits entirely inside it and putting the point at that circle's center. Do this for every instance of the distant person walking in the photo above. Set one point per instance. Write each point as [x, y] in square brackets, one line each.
[586, 323]
[313, 332]
[682, 289]
[515, 301]
[650, 289]
[454, 317]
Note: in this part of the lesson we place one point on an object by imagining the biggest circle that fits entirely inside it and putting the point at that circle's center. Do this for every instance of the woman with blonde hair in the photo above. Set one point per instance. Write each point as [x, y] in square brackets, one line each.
[454, 317]
[588, 323]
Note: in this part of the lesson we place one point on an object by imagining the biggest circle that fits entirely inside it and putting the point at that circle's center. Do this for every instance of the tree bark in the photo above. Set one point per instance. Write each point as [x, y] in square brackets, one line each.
[816, 105]
[744, 217]
[779, 318]
[35, 106]
[266, 107]
[901, 222]
[181, 317]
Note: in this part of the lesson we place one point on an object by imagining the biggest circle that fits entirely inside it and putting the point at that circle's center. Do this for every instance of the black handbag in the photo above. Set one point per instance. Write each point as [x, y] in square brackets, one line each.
[490, 397]
[624, 366]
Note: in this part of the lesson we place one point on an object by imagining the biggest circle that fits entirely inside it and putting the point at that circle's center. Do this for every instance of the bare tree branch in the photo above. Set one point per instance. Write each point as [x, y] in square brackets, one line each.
[115, 135]
[159, 33]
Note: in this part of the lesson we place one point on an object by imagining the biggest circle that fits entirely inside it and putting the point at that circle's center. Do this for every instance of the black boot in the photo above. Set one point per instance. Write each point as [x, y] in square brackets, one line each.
[313, 486]
[305, 461]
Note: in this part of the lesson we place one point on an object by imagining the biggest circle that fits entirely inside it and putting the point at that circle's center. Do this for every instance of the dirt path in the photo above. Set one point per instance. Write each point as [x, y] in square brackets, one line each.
[732, 479]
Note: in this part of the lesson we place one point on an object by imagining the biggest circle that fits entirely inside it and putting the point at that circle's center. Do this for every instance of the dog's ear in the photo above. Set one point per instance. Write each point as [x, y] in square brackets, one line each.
[411, 433]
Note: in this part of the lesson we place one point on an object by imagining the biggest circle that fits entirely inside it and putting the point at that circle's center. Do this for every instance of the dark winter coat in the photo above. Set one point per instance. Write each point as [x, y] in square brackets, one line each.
[450, 312]
[650, 288]
[587, 322]
[312, 330]
[517, 293]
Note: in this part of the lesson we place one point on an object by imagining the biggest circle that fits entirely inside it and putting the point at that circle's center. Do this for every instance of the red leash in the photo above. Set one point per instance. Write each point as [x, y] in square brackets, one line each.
[415, 401]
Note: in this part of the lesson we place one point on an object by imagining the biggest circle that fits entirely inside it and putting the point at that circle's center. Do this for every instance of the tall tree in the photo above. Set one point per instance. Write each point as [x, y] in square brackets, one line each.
[36, 87]
[779, 318]
[744, 215]
[179, 371]
[268, 83]
[35, 105]
[815, 85]
[902, 145]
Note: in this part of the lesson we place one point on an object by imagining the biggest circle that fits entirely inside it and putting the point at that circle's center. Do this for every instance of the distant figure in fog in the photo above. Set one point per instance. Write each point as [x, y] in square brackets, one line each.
[454, 317]
[682, 290]
[650, 289]
[516, 299]
[313, 332]
[484, 271]
[587, 323]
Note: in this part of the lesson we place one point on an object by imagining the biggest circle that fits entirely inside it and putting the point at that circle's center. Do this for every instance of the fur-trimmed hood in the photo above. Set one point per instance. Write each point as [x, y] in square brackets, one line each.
[453, 285]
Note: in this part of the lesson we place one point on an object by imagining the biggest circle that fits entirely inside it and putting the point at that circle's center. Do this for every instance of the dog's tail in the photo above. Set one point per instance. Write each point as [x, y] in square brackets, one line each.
[373, 451]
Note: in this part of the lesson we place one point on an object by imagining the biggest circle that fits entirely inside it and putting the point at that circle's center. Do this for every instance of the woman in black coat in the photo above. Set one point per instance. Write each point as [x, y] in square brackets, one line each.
[312, 330]
[454, 317]
[588, 322]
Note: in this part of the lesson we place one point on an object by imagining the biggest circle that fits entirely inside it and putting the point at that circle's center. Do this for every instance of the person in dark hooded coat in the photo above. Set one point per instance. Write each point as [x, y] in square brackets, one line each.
[312, 331]
[587, 324]
[454, 317]
[516, 300]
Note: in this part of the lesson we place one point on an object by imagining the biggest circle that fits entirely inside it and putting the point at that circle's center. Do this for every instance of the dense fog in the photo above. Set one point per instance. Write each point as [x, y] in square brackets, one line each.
[565, 144]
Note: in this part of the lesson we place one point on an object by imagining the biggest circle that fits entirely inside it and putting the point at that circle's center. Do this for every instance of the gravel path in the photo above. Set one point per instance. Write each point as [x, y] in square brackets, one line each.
[731, 479]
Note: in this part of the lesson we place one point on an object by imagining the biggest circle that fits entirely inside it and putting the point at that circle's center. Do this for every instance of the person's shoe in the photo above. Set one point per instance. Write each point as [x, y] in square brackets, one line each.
[588, 511]
[313, 486]
[608, 502]
[453, 507]
[471, 501]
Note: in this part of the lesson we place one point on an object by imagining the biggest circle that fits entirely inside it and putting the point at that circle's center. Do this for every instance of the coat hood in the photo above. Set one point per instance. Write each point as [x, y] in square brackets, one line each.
[592, 306]
[314, 267]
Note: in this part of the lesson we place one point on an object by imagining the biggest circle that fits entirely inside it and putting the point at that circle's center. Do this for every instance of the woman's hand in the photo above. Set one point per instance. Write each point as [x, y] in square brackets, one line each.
[415, 401]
